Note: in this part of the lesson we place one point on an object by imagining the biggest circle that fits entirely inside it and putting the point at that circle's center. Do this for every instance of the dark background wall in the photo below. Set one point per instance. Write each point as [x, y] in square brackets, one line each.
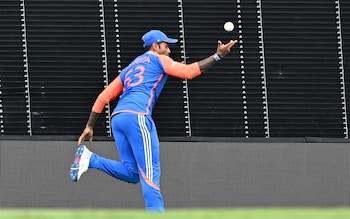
[287, 77]
[194, 174]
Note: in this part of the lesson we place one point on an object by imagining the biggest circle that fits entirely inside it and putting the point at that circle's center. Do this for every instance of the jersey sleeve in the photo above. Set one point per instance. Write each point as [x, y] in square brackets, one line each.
[178, 69]
[112, 91]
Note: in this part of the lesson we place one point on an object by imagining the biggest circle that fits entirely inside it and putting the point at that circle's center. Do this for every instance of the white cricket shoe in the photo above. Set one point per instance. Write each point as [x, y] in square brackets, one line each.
[81, 163]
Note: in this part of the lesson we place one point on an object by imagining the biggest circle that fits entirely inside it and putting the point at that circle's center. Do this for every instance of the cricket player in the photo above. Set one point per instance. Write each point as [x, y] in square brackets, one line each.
[138, 86]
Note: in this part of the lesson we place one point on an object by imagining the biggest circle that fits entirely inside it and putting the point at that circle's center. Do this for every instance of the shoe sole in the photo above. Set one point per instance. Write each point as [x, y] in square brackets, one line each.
[74, 170]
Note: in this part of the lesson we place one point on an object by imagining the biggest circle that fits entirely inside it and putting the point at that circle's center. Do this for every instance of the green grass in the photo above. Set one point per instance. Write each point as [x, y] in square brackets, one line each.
[239, 213]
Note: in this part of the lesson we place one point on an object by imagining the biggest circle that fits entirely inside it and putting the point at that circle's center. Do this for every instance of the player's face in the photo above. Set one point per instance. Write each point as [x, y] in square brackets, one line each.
[163, 48]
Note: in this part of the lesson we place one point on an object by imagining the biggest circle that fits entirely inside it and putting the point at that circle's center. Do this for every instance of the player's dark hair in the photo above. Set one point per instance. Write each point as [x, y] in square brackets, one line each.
[147, 48]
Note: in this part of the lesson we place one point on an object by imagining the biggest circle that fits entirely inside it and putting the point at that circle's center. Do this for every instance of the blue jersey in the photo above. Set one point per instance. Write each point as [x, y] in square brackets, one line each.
[143, 81]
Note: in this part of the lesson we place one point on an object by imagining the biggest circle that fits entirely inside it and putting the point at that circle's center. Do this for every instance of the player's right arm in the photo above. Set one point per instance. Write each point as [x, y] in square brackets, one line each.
[112, 91]
[193, 70]
[221, 51]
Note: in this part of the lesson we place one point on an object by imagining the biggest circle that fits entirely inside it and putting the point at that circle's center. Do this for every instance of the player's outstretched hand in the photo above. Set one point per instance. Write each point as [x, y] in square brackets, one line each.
[87, 134]
[223, 49]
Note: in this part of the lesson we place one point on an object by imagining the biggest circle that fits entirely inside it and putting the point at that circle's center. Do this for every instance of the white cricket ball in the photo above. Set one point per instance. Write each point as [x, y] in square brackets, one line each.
[228, 26]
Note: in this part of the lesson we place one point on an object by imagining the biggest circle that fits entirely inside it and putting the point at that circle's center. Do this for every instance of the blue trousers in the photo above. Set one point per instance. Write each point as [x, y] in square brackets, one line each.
[138, 147]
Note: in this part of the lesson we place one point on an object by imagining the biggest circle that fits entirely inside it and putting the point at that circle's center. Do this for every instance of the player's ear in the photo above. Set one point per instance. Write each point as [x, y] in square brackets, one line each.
[155, 47]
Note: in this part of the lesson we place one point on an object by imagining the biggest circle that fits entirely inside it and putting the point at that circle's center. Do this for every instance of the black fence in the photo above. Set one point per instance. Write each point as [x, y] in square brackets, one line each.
[288, 76]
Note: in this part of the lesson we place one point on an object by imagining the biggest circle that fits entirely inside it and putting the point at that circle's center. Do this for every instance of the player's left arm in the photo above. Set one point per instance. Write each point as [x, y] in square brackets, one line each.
[111, 92]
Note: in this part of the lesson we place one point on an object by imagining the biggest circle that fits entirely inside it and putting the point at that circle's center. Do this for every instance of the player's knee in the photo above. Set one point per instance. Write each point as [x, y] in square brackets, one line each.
[134, 179]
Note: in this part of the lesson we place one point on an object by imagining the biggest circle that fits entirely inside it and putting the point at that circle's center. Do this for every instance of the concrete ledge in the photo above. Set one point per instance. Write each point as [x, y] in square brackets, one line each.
[194, 174]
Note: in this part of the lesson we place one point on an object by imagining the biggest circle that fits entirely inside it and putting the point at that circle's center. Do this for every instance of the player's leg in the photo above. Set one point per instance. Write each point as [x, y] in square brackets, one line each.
[126, 170]
[144, 141]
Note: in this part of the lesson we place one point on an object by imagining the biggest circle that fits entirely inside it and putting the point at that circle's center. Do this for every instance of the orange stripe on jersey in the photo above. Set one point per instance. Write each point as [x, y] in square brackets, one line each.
[152, 93]
[127, 111]
[112, 91]
[179, 70]
[148, 181]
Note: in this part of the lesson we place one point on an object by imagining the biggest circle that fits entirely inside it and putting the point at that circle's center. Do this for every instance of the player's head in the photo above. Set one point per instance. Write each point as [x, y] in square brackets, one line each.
[157, 41]
[156, 36]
